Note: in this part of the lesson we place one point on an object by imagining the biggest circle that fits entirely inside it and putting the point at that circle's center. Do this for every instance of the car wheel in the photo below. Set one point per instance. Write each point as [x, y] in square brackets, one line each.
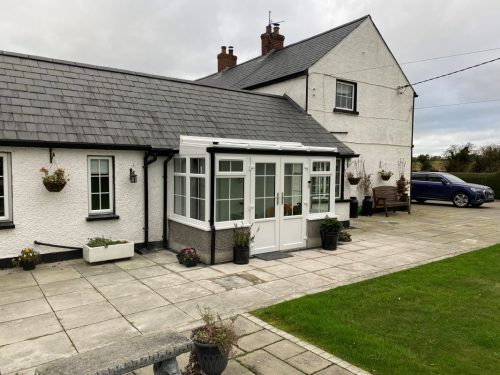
[460, 199]
[420, 200]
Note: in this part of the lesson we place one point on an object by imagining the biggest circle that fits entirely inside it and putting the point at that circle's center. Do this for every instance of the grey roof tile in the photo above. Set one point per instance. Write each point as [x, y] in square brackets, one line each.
[87, 104]
[292, 59]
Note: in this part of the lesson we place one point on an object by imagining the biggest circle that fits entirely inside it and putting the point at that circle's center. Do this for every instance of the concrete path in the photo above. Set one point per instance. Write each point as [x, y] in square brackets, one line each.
[64, 308]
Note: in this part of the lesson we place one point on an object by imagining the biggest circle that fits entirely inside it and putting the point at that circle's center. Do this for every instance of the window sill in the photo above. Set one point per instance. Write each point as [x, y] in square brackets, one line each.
[338, 200]
[102, 217]
[346, 111]
[7, 225]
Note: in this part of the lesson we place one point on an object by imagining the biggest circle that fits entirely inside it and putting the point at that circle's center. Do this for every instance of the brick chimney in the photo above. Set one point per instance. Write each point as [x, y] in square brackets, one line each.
[225, 60]
[271, 39]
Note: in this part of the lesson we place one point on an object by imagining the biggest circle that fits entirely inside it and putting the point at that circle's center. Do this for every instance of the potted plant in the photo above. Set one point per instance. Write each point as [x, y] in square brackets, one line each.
[402, 184]
[56, 181]
[28, 259]
[329, 231]
[242, 238]
[385, 175]
[353, 180]
[365, 185]
[188, 257]
[100, 249]
[213, 342]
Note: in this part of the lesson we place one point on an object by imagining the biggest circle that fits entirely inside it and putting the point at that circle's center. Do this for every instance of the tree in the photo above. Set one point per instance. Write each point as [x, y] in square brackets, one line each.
[488, 159]
[460, 157]
[425, 162]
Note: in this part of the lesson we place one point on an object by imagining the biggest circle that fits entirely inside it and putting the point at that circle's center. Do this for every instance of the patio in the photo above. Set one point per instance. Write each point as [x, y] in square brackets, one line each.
[64, 308]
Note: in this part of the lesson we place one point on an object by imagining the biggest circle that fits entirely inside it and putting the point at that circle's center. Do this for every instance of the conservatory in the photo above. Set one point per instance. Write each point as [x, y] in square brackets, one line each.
[280, 189]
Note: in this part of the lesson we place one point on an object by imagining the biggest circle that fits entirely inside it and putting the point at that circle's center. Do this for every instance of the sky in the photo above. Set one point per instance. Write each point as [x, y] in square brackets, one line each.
[181, 38]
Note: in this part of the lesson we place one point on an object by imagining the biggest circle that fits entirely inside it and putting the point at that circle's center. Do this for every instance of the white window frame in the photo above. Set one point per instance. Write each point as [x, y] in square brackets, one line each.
[331, 174]
[186, 219]
[352, 108]
[186, 181]
[237, 174]
[111, 209]
[7, 193]
[338, 173]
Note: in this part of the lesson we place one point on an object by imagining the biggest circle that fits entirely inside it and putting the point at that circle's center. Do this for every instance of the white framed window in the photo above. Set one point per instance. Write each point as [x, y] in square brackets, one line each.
[180, 186]
[338, 177]
[5, 188]
[319, 197]
[101, 184]
[197, 189]
[190, 188]
[345, 98]
[230, 190]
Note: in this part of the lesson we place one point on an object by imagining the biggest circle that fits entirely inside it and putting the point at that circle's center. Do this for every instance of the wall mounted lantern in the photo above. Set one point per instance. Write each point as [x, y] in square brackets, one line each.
[133, 176]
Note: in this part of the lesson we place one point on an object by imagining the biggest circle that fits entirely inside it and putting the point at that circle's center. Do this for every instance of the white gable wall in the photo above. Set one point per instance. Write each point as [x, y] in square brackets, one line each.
[295, 88]
[60, 218]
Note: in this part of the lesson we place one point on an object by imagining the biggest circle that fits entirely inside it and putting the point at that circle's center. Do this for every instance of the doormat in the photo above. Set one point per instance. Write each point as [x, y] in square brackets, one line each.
[273, 255]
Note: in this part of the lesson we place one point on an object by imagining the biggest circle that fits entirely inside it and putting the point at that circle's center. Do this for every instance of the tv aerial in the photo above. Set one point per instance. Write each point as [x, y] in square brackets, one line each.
[272, 22]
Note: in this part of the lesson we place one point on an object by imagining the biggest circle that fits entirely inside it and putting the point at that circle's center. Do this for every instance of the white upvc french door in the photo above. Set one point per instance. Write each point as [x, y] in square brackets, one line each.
[278, 215]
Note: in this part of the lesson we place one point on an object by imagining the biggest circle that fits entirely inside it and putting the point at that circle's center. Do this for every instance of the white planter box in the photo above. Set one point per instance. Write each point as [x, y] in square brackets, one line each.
[101, 254]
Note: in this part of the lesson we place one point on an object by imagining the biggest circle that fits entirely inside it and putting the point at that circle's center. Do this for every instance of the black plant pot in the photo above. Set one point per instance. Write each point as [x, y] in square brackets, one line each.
[329, 240]
[367, 206]
[190, 263]
[353, 208]
[210, 358]
[241, 254]
[385, 177]
[29, 266]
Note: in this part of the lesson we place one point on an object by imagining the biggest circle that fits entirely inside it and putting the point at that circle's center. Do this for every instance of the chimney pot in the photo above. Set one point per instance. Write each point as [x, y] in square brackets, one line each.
[230, 50]
[276, 29]
[223, 49]
[225, 60]
[271, 39]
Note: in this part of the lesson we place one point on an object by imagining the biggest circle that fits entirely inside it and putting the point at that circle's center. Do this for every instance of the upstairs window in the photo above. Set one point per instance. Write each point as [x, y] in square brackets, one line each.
[5, 194]
[101, 185]
[345, 99]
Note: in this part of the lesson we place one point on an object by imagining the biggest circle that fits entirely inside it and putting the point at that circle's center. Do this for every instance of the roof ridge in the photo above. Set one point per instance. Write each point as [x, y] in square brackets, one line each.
[130, 72]
[285, 47]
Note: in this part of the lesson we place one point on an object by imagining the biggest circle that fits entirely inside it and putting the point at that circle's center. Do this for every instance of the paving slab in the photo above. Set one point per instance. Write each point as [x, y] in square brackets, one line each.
[99, 334]
[310, 265]
[308, 362]
[334, 260]
[284, 349]
[25, 309]
[244, 298]
[161, 257]
[260, 275]
[262, 363]
[285, 270]
[29, 353]
[244, 327]
[257, 340]
[110, 278]
[129, 288]
[50, 275]
[234, 368]
[140, 302]
[145, 272]
[87, 314]
[281, 288]
[310, 279]
[28, 328]
[232, 282]
[20, 295]
[231, 268]
[162, 318]
[69, 300]
[211, 286]
[16, 279]
[177, 267]
[163, 281]
[65, 286]
[183, 292]
[334, 370]
[202, 274]
[135, 262]
[88, 269]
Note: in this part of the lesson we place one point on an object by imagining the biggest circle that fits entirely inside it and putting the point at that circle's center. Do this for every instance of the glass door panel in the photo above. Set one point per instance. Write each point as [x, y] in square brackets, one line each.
[265, 190]
[292, 189]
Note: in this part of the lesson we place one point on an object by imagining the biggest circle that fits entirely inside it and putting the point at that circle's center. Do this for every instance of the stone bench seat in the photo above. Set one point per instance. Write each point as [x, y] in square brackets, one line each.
[159, 349]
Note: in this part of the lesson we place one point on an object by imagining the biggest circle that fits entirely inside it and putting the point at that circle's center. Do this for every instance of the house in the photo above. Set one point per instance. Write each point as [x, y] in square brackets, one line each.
[348, 80]
[159, 161]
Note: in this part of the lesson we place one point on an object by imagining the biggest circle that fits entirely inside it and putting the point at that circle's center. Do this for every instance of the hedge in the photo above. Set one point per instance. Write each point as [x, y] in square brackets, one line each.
[489, 179]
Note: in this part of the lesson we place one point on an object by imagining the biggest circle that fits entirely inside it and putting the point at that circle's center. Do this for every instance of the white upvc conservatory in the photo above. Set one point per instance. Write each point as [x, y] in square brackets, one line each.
[281, 188]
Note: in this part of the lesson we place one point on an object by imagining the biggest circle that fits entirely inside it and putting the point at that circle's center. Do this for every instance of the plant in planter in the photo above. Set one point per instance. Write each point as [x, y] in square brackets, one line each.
[402, 184]
[213, 342]
[353, 180]
[355, 175]
[188, 257]
[99, 249]
[28, 259]
[55, 181]
[345, 236]
[385, 175]
[242, 239]
[365, 186]
[329, 231]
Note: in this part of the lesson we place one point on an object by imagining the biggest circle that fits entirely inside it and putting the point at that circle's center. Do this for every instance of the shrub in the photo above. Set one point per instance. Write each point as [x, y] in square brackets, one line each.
[103, 241]
[56, 177]
[345, 236]
[27, 256]
[216, 331]
[242, 236]
[187, 255]
[330, 225]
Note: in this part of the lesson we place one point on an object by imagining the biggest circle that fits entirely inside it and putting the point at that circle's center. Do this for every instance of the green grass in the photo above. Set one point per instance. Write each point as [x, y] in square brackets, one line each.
[439, 318]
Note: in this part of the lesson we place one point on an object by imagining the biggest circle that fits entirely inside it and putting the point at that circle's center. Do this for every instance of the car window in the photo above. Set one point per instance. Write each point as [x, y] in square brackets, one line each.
[419, 177]
[436, 179]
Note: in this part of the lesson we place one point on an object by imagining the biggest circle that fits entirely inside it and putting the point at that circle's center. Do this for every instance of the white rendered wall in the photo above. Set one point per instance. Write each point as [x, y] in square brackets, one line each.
[59, 218]
[295, 88]
[382, 131]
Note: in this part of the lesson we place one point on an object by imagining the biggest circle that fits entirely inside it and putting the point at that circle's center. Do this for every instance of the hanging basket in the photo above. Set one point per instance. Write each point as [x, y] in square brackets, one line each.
[354, 180]
[54, 187]
[386, 177]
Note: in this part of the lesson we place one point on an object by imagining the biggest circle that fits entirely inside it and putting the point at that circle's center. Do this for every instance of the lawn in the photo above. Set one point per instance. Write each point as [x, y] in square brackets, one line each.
[439, 318]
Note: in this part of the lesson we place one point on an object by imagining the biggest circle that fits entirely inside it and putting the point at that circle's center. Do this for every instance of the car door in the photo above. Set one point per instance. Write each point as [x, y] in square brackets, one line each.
[418, 186]
[438, 187]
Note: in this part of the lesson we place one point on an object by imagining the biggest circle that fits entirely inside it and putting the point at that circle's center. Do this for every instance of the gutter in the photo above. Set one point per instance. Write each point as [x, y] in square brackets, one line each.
[212, 152]
[165, 201]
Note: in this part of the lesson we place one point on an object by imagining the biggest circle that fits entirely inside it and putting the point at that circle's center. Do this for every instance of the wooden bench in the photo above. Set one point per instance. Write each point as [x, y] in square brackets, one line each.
[159, 349]
[387, 197]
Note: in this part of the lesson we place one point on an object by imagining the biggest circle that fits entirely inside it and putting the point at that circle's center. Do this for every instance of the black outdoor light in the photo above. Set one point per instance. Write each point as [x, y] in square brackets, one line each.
[133, 176]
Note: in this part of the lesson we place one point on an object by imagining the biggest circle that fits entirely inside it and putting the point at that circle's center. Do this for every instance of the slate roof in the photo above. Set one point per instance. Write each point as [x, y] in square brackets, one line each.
[292, 59]
[46, 100]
